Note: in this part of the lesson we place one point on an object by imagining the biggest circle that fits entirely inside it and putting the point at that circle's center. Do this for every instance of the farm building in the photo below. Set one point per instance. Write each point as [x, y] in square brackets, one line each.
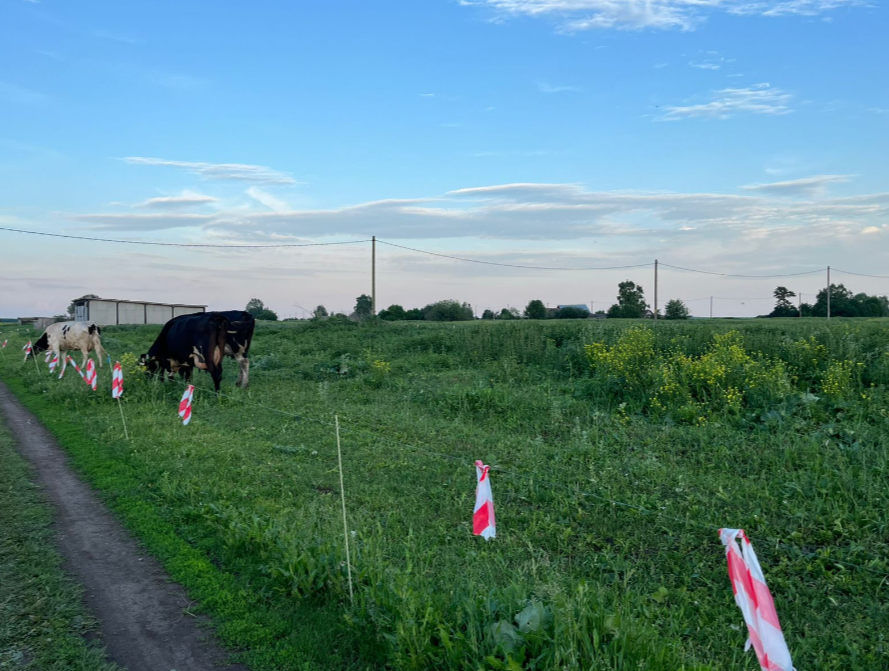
[39, 323]
[106, 311]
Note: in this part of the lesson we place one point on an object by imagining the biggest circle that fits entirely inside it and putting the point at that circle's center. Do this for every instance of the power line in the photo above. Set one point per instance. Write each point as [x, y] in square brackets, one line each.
[509, 265]
[708, 272]
[178, 244]
[849, 272]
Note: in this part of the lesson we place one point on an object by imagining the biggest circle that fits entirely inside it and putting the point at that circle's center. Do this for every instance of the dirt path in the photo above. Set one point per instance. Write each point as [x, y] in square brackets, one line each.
[140, 611]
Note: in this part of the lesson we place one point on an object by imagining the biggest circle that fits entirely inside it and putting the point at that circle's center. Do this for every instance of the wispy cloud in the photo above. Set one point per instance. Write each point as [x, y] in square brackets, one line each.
[221, 171]
[269, 200]
[807, 186]
[578, 15]
[705, 66]
[726, 103]
[127, 221]
[539, 211]
[187, 199]
[544, 87]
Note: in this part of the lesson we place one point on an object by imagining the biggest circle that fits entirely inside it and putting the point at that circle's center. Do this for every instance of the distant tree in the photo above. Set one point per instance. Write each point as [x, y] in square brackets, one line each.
[571, 312]
[842, 303]
[266, 315]
[509, 313]
[61, 318]
[394, 313]
[676, 309]
[806, 309]
[783, 306]
[255, 307]
[488, 314]
[364, 307]
[535, 310]
[448, 311]
[71, 305]
[320, 312]
[630, 302]
[414, 315]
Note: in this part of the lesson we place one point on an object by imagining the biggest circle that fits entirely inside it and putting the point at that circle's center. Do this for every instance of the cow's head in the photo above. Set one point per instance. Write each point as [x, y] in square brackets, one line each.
[150, 364]
[42, 344]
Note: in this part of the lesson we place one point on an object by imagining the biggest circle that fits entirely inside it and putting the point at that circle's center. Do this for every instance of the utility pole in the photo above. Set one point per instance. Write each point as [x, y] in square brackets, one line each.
[799, 304]
[655, 289]
[828, 292]
[373, 277]
[711, 307]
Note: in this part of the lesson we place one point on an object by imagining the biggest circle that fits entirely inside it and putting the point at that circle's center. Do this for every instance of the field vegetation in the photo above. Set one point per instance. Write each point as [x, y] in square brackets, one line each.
[620, 448]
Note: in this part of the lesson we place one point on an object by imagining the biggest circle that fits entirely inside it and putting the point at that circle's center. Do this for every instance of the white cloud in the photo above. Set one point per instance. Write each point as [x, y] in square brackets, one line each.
[705, 66]
[577, 15]
[870, 230]
[725, 103]
[544, 87]
[187, 199]
[807, 186]
[222, 171]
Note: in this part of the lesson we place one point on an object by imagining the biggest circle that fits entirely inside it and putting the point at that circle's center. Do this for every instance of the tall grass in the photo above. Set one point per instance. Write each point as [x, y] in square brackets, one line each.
[572, 581]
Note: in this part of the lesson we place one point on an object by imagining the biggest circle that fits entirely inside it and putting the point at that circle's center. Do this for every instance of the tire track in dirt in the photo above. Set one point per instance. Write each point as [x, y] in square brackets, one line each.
[140, 611]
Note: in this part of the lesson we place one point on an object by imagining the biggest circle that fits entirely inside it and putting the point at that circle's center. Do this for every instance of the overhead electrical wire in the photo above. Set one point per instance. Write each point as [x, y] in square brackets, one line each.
[849, 272]
[510, 265]
[178, 244]
[708, 272]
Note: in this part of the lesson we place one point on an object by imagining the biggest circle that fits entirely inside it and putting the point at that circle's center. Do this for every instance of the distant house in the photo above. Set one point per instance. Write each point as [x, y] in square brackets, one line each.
[648, 314]
[39, 323]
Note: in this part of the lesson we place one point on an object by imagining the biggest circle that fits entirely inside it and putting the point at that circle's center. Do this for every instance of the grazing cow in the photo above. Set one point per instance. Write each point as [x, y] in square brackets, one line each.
[66, 336]
[189, 342]
[237, 341]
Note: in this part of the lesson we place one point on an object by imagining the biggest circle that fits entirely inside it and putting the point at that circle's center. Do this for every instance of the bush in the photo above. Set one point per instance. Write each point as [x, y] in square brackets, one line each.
[676, 309]
[447, 311]
[572, 313]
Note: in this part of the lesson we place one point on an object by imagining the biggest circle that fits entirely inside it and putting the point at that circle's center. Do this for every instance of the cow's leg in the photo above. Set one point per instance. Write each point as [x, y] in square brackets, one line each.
[243, 370]
[100, 352]
[216, 374]
[64, 361]
[85, 350]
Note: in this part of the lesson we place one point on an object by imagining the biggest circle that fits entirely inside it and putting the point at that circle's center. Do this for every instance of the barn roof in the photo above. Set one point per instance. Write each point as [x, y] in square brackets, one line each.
[81, 301]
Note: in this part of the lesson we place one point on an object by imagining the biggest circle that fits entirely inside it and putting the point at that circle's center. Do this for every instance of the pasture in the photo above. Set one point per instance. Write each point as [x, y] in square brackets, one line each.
[620, 449]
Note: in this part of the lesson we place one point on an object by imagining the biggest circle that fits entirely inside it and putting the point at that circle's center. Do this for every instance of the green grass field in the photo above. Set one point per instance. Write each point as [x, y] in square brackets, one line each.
[777, 426]
[42, 620]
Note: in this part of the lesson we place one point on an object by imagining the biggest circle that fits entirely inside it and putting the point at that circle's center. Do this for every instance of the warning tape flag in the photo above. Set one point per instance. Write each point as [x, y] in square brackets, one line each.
[54, 363]
[483, 515]
[76, 367]
[756, 603]
[91, 378]
[185, 405]
[117, 381]
[27, 349]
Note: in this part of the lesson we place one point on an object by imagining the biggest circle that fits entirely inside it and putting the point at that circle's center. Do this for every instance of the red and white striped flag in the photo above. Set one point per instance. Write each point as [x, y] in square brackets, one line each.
[117, 381]
[54, 363]
[483, 515]
[76, 367]
[185, 405]
[756, 603]
[4, 344]
[27, 349]
[91, 378]
[48, 356]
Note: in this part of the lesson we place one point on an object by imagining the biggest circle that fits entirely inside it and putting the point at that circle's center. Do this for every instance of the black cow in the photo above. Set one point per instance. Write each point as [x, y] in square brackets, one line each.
[189, 342]
[237, 341]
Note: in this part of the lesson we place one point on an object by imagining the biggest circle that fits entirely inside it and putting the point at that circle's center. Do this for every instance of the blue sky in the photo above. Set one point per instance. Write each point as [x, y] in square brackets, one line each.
[740, 137]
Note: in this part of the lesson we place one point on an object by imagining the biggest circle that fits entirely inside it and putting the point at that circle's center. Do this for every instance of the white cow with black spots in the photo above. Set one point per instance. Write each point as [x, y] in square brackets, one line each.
[67, 336]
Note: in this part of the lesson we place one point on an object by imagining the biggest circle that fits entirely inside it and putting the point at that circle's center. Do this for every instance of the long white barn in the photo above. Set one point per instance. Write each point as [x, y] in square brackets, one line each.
[107, 311]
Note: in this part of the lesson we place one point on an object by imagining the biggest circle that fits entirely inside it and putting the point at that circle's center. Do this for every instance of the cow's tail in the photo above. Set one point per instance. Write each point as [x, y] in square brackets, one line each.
[219, 326]
[96, 342]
